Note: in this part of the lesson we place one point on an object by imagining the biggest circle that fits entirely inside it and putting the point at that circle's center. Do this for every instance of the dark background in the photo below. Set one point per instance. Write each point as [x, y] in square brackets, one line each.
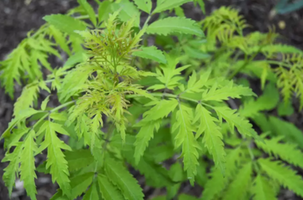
[17, 17]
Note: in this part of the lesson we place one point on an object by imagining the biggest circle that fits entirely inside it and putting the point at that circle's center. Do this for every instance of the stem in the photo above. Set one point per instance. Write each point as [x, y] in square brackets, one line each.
[235, 59]
[174, 96]
[252, 157]
[51, 111]
[278, 63]
[142, 30]
[84, 16]
[250, 152]
[61, 106]
[245, 63]
[40, 30]
[146, 21]
[240, 68]
[171, 96]
[40, 120]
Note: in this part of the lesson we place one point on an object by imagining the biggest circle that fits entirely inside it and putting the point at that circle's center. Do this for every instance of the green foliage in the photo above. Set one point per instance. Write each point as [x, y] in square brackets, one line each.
[262, 189]
[145, 5]
[216, 184]
[151, 53]
[163, 5]
[287, 152]
[89, 10]
[123, 180]
[174, 25]
[238, 188]
[128, 12]
[283, 175]
[55, 157]
[169, 111]
[65, 23]
[212, 136]
[27, 167]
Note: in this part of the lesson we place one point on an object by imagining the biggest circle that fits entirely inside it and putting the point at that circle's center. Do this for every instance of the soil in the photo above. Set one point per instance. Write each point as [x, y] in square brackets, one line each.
[17, 17]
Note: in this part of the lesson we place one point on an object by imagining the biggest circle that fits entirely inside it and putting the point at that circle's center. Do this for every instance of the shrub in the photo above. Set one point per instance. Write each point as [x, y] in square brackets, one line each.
[166, 110]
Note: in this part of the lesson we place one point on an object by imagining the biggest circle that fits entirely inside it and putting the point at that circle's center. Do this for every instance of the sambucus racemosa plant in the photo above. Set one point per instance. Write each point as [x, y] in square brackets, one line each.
[123, 103]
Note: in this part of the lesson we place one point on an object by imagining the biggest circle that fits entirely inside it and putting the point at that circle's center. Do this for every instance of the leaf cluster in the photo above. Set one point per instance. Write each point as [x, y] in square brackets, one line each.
[166, 110]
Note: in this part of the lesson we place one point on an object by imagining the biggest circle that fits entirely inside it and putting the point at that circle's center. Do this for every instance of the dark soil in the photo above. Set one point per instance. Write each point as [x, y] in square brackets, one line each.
[17, 17]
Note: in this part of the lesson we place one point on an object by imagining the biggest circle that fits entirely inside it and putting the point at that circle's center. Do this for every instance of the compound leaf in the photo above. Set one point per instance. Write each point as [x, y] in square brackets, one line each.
[108, 190]
[145, 134]
[78, 159]
[65, 23]
[287, 151]
[80, 183]
[160, 110]
[151, 53]
[17, 61]
[267, 101]
[145, 5]
[233, 119]
[9, 176]
[128, 12]
[176, 174]
[168, 4]
[156, 175]
[239, 186]
[216, 184]
[104, 10]
[59, 38]
[89, 10]
[122, 178]
[56, 161]
[283, 175]
[202, 6]
[212, 138]
[27, 168]
[215, 94]
[174, 25]
[262, 190]
[286, 129]
[27, 98]
[185, 137]
[44, 103]
[92, 193]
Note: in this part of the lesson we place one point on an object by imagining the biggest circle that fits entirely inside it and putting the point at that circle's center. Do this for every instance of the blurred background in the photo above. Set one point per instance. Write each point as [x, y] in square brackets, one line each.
[18, 17]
